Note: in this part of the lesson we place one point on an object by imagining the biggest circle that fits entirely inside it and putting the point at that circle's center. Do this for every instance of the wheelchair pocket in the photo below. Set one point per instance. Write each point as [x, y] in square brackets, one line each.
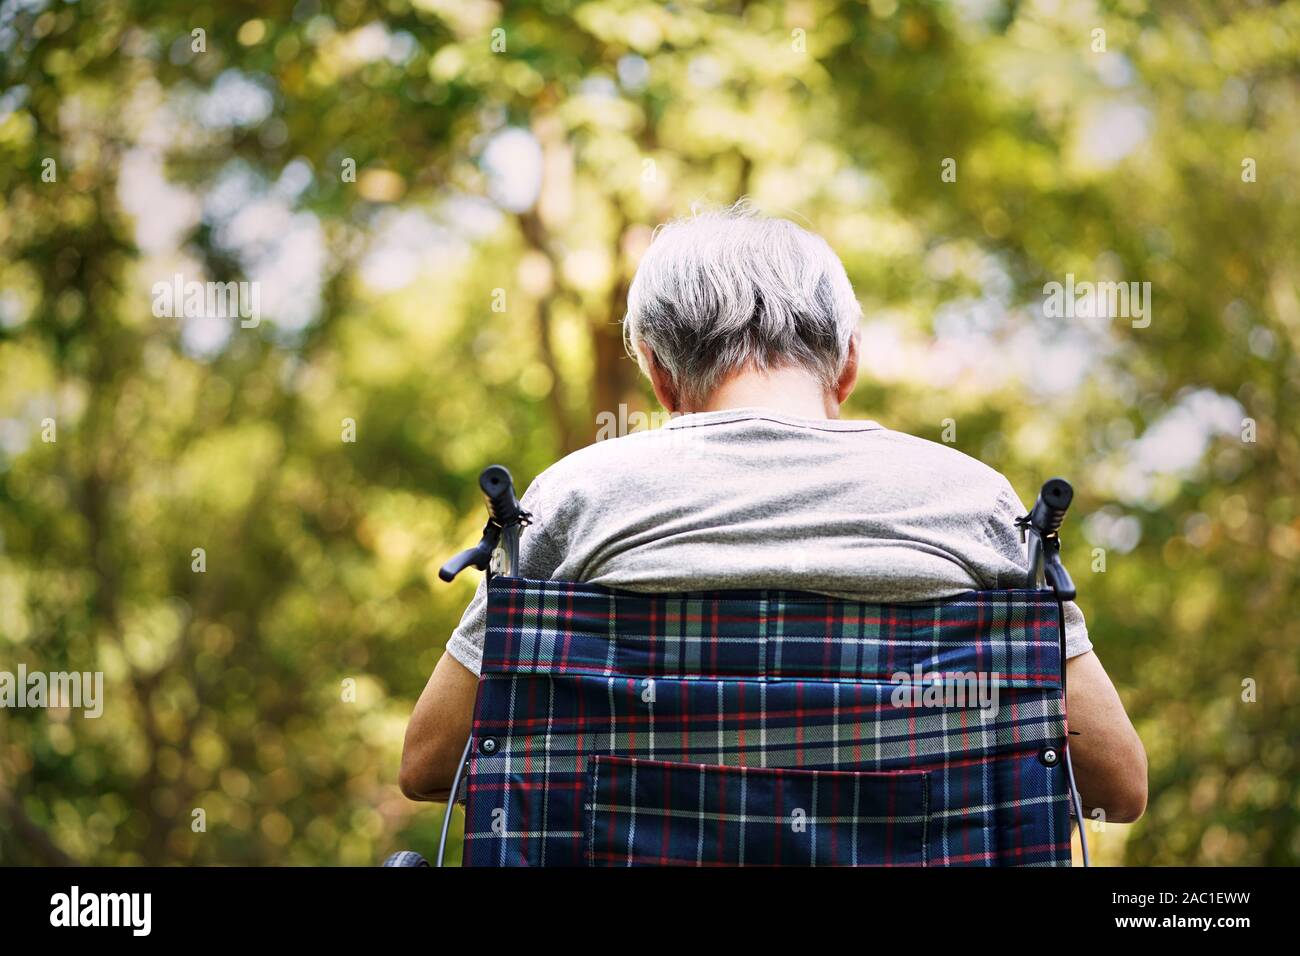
[661, 813]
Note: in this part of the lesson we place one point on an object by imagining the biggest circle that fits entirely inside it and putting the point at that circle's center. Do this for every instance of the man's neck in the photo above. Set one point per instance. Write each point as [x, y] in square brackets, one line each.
[787, 391]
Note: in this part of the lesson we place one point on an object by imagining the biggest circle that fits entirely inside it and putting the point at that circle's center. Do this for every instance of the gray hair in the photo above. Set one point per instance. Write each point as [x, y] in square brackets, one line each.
[723, 291]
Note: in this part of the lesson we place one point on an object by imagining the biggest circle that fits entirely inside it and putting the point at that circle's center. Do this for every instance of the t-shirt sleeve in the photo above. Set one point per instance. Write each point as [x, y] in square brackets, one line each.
[538, 559]
[1013, 565]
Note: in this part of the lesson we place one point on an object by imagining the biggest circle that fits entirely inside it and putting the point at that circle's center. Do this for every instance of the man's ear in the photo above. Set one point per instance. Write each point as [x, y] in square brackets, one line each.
[660, 381]
[849, 377]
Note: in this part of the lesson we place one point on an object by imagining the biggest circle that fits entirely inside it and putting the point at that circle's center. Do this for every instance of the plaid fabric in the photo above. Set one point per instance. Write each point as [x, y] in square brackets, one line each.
[766, 728]
[705, 815]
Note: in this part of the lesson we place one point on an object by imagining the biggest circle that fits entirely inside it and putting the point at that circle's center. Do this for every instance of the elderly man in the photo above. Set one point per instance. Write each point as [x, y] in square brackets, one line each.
[747, 327]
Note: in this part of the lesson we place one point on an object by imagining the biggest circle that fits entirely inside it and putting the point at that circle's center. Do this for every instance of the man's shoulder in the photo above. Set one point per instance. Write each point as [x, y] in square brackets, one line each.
[652, 450]
[940, 456]
[594, 464]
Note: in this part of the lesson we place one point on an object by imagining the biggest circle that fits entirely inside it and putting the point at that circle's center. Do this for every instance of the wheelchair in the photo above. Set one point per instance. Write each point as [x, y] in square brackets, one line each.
[765, 728]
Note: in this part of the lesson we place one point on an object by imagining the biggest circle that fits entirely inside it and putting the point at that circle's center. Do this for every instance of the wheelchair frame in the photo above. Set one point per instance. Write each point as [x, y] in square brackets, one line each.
[497, 552]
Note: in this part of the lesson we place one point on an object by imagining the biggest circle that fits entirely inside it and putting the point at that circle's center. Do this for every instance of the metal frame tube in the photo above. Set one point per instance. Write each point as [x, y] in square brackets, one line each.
[451, 801]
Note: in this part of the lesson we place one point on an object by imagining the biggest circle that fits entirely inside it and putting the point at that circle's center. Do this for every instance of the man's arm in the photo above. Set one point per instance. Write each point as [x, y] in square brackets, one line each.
[439, 727]
[441, 721]
[1110, 764]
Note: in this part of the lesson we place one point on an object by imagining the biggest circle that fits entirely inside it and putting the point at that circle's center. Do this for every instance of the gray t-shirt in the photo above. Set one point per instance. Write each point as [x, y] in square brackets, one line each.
[747, 498]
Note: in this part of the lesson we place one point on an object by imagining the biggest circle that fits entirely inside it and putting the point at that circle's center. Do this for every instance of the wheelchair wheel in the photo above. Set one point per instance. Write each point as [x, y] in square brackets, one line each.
[406, 858]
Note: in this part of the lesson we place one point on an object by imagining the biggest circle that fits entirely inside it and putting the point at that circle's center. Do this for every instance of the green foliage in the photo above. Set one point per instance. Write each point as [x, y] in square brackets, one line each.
[225, 689]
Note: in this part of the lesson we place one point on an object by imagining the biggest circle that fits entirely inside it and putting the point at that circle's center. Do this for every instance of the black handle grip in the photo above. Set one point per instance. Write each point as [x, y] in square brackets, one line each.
[503, 512]
[1059, 579]
[1049, 510]
[479, 557]
[499, 489]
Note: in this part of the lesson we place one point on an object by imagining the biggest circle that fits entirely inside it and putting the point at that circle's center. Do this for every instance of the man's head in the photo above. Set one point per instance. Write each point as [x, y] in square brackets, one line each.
[722, 294]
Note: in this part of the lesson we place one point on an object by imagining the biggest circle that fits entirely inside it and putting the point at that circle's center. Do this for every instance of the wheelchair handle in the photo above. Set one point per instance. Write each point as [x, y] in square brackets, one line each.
[1040, 526]
[1049, 510]
[505, 518]
[499, 489]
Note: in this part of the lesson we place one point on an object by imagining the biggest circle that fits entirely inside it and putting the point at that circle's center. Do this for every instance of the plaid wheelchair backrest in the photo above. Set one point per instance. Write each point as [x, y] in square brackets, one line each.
[766, 728]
